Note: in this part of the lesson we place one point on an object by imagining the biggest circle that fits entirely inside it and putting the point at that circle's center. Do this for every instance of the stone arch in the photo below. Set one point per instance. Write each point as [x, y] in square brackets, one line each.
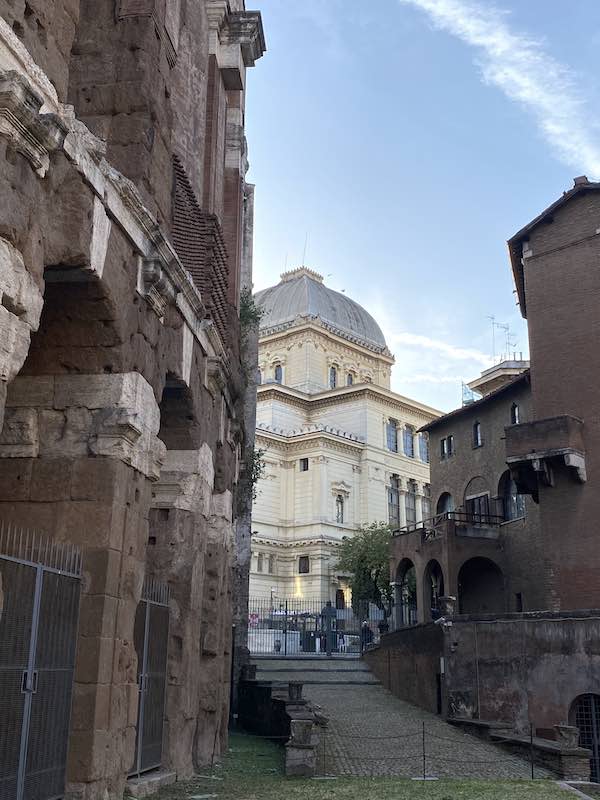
[445, 503]
[406, 593]
[179, 424]
[476, 498]
[433, 589]
[584, 714]
[481, 587]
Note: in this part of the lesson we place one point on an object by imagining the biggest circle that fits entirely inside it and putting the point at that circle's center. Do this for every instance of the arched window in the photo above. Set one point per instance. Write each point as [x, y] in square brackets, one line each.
[278, 373]
[513, 503]
[406, 593]
[349, 379]
[433, 588]
[477, 441]
[332, 377]
[515, 417]
[339, 509]
[445, 503]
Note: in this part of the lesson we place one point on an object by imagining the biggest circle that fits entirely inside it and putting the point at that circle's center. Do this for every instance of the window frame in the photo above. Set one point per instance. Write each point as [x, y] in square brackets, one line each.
[394, 501]
[477, 435]
[391, 434]
[408, 435]
[410, 502]
[278, 369]
[303, 464]
[339, 509]
[515, 414]
[333, 376]
[303, 560]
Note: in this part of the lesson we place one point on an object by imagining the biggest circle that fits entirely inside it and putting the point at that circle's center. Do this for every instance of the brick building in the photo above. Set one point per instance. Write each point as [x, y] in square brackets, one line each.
[508, 565]
[125, 242]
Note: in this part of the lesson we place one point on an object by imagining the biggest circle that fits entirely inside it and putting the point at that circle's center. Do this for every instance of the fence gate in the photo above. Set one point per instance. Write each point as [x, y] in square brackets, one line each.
[587, 719]
[40, 582]
[151, 636]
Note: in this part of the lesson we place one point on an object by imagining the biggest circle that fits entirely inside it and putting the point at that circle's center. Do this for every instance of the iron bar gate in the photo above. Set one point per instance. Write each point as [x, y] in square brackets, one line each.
[151, 637]
[40, 583]
[305, 627]
[587, 718]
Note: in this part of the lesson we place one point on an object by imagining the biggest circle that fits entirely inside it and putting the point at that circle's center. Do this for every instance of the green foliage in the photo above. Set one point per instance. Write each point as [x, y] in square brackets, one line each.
[366, 555]
[250, 313]
[255, 469]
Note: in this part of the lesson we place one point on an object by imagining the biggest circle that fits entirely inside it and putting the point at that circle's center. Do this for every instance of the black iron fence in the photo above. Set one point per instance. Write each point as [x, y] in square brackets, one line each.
[40, 583]
[310, 627]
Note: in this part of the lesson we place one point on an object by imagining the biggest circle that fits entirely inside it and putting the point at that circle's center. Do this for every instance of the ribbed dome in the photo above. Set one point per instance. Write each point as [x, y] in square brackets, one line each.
[302, 293]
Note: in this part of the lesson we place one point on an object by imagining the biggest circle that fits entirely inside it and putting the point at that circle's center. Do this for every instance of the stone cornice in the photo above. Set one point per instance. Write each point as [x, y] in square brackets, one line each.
[29, 132]
[344, 394]
[316, 325]
[327, 441]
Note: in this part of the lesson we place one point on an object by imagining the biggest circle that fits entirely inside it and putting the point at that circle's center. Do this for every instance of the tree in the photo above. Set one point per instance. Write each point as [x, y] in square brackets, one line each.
[366, 556]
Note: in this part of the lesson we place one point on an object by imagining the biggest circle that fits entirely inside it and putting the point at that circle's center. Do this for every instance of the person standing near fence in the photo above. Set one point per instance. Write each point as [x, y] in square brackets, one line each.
[329, 614]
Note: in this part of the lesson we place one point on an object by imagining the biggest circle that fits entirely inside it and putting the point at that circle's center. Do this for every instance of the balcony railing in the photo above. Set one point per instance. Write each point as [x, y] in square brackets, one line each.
[434, 527]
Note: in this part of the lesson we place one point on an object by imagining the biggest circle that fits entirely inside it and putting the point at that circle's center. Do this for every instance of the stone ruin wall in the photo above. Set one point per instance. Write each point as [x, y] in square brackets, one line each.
[121, 407]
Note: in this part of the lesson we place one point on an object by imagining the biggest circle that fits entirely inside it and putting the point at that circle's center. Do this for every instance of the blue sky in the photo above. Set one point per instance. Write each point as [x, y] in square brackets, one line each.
[409, 139]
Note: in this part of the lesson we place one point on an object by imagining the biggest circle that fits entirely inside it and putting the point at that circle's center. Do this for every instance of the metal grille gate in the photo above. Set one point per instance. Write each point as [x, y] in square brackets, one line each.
[40, 582]
[587, 719]
[151, 635]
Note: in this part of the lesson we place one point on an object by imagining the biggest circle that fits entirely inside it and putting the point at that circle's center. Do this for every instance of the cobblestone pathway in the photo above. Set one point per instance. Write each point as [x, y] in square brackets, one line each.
[373, 733]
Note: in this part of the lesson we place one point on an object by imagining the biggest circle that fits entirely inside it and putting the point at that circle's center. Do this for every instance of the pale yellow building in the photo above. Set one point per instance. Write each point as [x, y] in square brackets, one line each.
[340, 448]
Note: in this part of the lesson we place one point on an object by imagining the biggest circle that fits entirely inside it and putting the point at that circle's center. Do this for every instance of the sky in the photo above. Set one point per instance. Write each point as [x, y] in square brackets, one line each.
[397, 144]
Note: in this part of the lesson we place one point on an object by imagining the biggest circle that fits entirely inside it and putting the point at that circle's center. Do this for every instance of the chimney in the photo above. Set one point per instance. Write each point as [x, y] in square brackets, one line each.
[581, 180]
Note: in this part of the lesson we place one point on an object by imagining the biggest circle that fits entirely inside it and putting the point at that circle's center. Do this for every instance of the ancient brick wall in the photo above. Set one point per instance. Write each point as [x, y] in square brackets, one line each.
[407, 663]
[562, 289]
[122, 402]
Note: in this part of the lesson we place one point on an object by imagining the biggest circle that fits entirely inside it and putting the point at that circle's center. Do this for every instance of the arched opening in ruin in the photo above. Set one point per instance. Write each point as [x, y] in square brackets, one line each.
[433, 589]
[584, 714]
[179, 425]
[477, 501]
[481, 587]
[406, 593]
[445, 503]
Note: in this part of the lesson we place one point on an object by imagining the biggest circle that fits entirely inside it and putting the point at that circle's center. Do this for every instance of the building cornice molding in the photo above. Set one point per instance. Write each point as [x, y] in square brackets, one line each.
[345, 394]
[298, 327]
[299, 445]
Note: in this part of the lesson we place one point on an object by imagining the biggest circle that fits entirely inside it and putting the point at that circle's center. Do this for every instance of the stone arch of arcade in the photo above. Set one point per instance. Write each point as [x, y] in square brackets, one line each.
[115, 391]
[481, 587]
[433, 589]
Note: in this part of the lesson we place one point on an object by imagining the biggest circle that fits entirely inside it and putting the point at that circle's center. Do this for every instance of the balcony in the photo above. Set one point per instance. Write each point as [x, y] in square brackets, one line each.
[535, 449]
[455, 523]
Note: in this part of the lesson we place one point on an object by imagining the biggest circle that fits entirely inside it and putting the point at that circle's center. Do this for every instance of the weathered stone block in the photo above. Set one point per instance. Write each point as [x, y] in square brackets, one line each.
[15, 477]
[94, 479]
[98, 615]
[19, 437]
[94, 660]
[31, 391]
[50, 479]
[101, 571]
[64, 433]
[91, 704]
[87, 760]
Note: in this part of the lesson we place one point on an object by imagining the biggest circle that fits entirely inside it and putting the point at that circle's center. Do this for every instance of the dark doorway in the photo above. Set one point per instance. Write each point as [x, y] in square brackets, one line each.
[480, 587]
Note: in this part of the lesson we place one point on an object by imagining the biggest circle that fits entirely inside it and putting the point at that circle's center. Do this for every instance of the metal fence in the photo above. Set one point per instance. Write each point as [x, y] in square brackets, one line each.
[40, 582]
[309, 627]
[151, 637]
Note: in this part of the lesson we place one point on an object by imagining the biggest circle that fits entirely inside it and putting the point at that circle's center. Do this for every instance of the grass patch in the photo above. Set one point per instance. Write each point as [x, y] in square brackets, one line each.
[253, 770]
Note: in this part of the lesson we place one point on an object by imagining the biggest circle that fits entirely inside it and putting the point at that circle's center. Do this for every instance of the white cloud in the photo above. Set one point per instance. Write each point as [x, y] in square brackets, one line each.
[519, 66]
[449, 351]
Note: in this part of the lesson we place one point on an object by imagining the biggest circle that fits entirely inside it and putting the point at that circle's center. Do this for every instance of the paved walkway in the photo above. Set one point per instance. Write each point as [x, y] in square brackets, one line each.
[373, 733]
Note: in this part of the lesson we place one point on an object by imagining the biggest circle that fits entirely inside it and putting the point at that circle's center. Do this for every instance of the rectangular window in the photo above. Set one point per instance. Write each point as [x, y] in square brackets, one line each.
[259, 562]
[303, 565]
[392, 435]
[303, 465]
[450, 445]
[477, 440]
[394, 502]
[271, 565]
[424, 447]
[409, 441]
[426, 501]
[478, 508]
[443, 448]
[411, 503]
